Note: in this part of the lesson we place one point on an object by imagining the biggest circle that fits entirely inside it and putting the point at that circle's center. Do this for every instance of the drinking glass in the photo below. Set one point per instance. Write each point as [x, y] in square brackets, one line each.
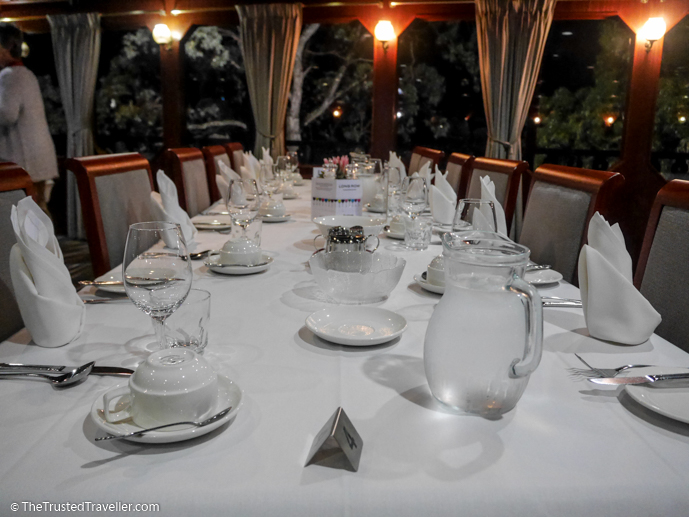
[475, 214]
[293, 160]
[413, 201]
[188, 326]
[243, 203]
[156, 271]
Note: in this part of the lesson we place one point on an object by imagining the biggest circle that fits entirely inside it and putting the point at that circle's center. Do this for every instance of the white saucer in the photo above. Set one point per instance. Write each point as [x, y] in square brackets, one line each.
[214, 266]
[542, 277]
[299, 183]
[369, 208]
[670, 402]
[212, 222]
[293, 196]
[111, 277]
[393, 235]
[229, 394]
[356, 326]
[437, 289]
[275, 218]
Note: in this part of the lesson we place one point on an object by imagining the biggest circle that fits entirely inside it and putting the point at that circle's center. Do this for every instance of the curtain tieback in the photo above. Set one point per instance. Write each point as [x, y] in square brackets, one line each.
[507, 145]
[272, 137]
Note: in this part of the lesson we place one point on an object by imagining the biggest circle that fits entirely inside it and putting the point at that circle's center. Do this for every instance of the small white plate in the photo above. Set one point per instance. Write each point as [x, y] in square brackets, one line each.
[437, 289]
[275, 218]
[369, 208]
[213, 265]
[356, 326]
[671, 402]
[293, 196]
[393, 235]
[542, 277]
[111, 277]
[212, 222]
[229, 394]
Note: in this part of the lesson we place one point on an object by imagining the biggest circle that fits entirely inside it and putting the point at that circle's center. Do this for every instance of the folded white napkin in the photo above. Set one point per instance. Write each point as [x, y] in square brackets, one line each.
[443, 199]
[267, 159]
[613, 308]
[225, 178]
[425, 172]
[48, 302]
[247, 173]
[395, 161]
[488, 194]
[165, 207]
[252, 165]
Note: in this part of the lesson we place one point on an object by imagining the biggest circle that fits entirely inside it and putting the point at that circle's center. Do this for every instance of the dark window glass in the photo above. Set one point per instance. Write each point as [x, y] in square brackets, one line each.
[439, 96]
[580, 98]
[128, 99]
[671, 137]
[218, 105]
[330, 99]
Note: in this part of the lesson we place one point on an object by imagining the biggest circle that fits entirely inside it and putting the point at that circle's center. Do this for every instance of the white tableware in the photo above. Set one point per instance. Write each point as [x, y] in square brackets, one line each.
[371, 225]
[229, 394]
[171, 385]
[272, 207]
[239, 252]
[111, 277]
[437, 289]
[212, 222]
[435, 272]
[389, 232]
[213, 264]
[398, 224]
[356, 326]
[670, 402]
[276, 218]
[376, 209]
[542, 277]
[290, 195]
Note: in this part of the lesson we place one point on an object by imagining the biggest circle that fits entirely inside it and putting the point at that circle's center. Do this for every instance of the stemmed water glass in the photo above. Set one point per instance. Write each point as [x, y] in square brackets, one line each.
[475, 214]
[156, 271]
[243, 203]
[293, 160]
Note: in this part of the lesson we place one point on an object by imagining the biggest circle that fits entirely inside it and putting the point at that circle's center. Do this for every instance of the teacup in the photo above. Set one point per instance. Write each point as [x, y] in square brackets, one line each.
[272, 207]
[172, 385]
[435, 273]
[397, 224]
[240, 252]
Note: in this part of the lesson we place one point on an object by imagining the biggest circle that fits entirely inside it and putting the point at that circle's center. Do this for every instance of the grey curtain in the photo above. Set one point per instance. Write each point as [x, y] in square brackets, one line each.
[76, 48]
[270, 36]
[511, 38]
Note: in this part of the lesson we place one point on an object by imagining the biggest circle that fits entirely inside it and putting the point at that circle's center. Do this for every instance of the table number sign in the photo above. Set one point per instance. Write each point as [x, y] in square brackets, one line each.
[335, 197]
[337, 444]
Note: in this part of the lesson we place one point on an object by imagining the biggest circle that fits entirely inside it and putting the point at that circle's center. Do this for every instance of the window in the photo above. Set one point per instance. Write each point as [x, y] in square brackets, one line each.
[128, 100]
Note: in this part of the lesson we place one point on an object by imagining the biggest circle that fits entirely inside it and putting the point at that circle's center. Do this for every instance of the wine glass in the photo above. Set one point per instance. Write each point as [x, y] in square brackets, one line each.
[413, 201]
[243, 203]
[475, 214]
[293, 160]
[156, 271]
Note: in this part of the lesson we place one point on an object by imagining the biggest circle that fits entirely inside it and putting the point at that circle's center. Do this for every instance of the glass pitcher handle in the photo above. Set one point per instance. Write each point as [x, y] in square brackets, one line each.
[534, 340]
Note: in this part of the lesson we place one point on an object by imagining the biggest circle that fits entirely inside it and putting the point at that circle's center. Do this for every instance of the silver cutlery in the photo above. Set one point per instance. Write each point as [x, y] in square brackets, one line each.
[199, 255]
[209, 421]
[553, 301]
[670, 380]
[104, 300]
[19, 369]
[58, 381]
[591, 372]
[101, 282]
[538, 267]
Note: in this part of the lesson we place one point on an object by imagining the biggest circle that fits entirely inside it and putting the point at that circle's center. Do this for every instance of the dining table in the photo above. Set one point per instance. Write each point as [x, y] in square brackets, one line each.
[569, 448]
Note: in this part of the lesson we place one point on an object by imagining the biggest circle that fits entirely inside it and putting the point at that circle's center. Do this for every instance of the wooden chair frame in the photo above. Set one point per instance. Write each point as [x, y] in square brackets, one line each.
[173, 159]
[514, 171]
[602, 186]
[13, 177]
[466, 162]
[231, 148]
[435, 155]
[86, 170]
[674, 194]
[209, 154]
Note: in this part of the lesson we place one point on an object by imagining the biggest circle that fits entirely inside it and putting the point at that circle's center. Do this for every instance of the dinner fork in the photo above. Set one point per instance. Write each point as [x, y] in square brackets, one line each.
[592, 373]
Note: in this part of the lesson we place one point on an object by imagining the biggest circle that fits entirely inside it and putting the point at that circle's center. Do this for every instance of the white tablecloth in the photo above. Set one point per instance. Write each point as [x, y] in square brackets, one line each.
[567, 449]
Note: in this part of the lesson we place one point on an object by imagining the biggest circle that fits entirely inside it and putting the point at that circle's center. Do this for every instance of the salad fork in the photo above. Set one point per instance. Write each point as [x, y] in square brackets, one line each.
[592, 373]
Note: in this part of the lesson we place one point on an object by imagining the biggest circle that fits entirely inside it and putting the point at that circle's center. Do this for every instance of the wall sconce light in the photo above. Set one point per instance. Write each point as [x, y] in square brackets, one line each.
[384, 33]
[609, 120]
[25, 49]
[652, 31]
[537, 120]
[162, 35]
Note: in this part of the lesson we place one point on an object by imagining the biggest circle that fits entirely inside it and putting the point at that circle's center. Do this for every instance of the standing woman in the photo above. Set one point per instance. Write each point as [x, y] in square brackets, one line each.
[24, 135]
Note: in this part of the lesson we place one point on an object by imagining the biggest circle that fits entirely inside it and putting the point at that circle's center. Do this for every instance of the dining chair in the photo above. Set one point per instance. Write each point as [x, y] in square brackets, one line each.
[561, 202]
[505, 175]
[235, 151]
[458, 170]
[187, 169]
[115, 192]
[15, 184]
[212, 155]
[663, 268]
[422, 155]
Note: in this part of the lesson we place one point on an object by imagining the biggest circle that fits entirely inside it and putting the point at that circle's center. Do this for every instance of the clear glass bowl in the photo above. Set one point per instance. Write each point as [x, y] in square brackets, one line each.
[354, 277]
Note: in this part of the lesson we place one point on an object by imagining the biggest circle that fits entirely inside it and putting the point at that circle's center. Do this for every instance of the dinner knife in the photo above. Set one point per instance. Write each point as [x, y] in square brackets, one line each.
[668, 380]
[39, 368]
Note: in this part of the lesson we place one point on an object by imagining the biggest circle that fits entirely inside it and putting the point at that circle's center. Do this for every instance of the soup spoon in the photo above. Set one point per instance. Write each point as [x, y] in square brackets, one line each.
[59, 381]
